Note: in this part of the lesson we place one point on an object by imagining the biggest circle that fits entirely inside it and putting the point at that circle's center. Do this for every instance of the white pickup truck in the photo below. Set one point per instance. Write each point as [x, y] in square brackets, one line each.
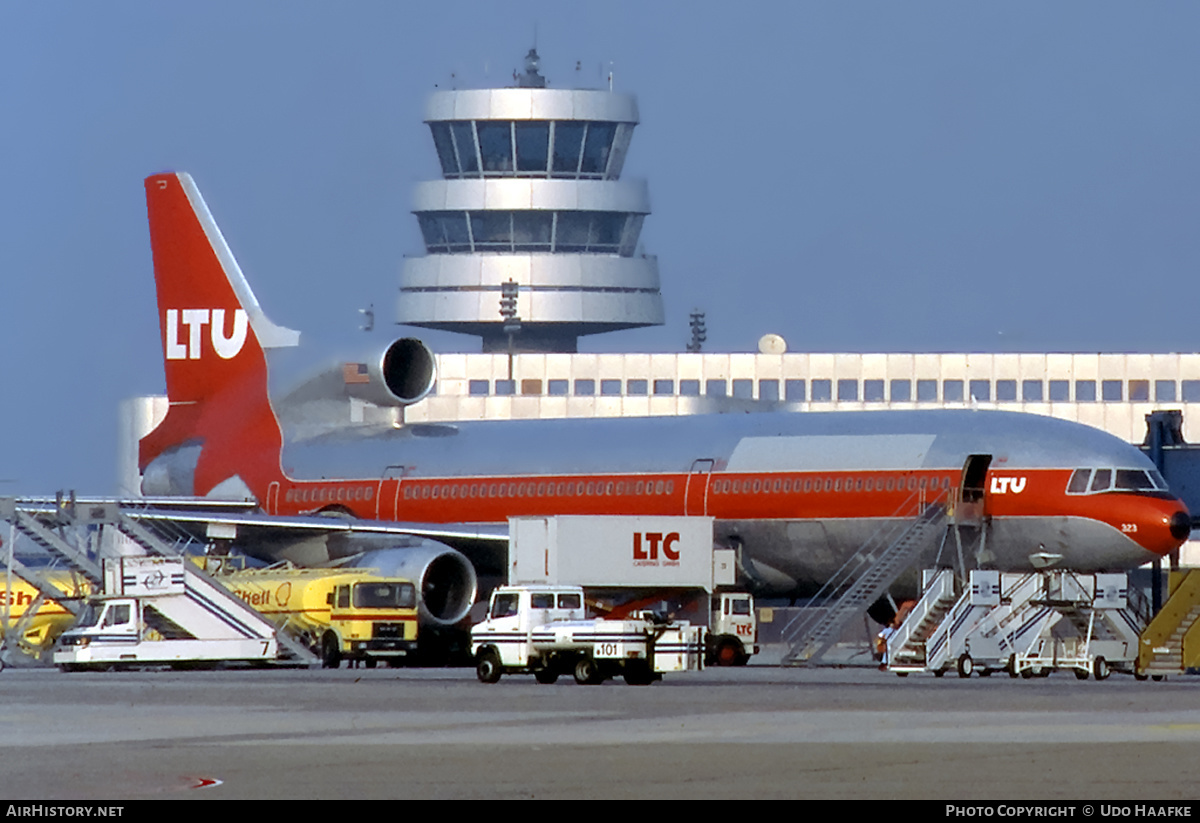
[544, 631]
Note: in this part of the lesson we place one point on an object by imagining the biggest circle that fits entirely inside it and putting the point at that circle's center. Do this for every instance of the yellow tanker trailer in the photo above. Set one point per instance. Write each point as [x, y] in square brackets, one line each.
[34, 631]
[350, 614]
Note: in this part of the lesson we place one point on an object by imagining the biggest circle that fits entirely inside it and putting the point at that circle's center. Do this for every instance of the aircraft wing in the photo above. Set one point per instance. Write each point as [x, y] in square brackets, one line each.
[268, 536]
[248, 522]
[204, 519]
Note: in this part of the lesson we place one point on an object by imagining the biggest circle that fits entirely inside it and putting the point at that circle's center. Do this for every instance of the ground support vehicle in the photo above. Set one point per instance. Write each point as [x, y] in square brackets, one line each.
[732, 630]
[160, 610]
[631, 563]
[1027, 624]
[543, 631]
[340, 614]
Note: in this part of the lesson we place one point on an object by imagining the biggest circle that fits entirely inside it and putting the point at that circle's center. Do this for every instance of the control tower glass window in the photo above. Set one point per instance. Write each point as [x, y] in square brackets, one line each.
[495, 146]
[464, 146]
[538, 148]
[533, 143]
[597, 232]
[597, 147]
[568, 141]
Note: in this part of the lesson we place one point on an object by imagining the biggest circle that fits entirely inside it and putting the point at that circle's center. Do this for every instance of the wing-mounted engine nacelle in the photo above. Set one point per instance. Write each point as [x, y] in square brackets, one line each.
[400, 375]
[445, 578]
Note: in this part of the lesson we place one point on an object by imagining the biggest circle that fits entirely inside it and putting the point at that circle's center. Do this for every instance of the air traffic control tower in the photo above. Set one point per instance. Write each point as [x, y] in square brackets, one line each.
[531, 193]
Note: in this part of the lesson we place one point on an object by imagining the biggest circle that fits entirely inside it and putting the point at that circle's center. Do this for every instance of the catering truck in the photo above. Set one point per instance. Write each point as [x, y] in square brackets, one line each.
[627, 564]
[544, 631]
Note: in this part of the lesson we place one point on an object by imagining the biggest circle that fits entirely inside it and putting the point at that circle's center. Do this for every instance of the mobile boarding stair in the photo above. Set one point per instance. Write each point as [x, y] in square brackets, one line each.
[204, 609]
[1027, 624]
[1170, 644]
[862, 580]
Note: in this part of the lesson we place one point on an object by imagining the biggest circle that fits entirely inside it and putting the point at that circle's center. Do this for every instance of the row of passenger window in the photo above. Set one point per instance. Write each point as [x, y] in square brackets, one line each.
[597, 232]
[418, 490]
[864, 483]
[870, 391]
[532, 148]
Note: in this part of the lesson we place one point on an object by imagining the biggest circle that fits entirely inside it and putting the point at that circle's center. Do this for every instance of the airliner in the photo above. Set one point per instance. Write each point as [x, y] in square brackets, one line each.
[795, 493]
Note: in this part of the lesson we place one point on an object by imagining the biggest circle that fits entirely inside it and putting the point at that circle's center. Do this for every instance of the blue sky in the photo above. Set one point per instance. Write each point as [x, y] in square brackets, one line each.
[855, 176]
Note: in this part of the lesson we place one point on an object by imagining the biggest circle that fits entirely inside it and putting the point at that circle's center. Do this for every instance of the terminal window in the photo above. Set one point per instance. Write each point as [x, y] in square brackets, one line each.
[585, 388]
[714, 388]
[768, 390]
[1139, 391]
[1112, 391]
[637, 387]
[1085, 391]
[952, 391]
[1164, 391]
[477, 388]
[793, 391]
[689, 388]
[981, 390]
[1191, 391]
[610, 387]
[1031, 391]
[847, 390]
[557, 388]
[873, 391]
[505, 388]
[1006, 391]
[743, 388]
[901, 391]
[822, 391]
[664, 387]
[1060, 391]
[533, 386]
[927, 391]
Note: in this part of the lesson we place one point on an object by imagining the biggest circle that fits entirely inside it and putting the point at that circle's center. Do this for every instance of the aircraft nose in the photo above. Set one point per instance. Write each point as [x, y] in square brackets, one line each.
[1180, 525]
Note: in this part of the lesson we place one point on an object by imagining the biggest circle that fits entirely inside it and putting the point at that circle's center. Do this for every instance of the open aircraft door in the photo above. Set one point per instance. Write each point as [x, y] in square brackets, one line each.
[695, 497]
[972, 491]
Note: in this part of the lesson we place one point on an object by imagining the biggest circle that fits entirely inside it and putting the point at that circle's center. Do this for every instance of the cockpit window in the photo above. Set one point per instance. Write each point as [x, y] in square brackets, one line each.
[1094, 481]
[1134, 480]
[1079, 481]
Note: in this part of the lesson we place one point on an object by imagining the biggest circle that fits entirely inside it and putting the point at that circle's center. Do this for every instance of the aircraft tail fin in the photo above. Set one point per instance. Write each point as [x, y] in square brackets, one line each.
[214, 334]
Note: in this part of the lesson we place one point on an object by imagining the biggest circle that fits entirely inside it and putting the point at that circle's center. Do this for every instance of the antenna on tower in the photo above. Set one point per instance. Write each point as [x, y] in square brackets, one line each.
[699, 331]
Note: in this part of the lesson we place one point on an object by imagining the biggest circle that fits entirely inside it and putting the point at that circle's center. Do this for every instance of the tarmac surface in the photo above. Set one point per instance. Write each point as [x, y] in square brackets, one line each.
[755, 732]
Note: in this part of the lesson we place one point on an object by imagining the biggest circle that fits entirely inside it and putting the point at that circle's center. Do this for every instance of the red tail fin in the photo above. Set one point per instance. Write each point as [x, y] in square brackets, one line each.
[213, 334]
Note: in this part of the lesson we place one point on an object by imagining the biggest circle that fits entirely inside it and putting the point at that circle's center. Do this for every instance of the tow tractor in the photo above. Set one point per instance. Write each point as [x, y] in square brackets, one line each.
[544, 631]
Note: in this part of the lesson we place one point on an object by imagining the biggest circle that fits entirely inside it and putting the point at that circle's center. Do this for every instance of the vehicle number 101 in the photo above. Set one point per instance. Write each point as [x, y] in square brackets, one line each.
[606, 650]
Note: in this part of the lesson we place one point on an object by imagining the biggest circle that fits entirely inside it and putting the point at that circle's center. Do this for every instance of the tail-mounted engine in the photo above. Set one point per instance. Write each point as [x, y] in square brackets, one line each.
[399, 376]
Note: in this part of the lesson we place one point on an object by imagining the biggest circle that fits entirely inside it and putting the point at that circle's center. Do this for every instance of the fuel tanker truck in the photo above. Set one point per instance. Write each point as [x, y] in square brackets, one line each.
[32, 621]
[341, 614]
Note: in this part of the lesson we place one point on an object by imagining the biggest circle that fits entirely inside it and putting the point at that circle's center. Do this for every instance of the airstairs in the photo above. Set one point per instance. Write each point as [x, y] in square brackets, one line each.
[209, 608]
[864, 578]
[1171, 643]
[1015, 622]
